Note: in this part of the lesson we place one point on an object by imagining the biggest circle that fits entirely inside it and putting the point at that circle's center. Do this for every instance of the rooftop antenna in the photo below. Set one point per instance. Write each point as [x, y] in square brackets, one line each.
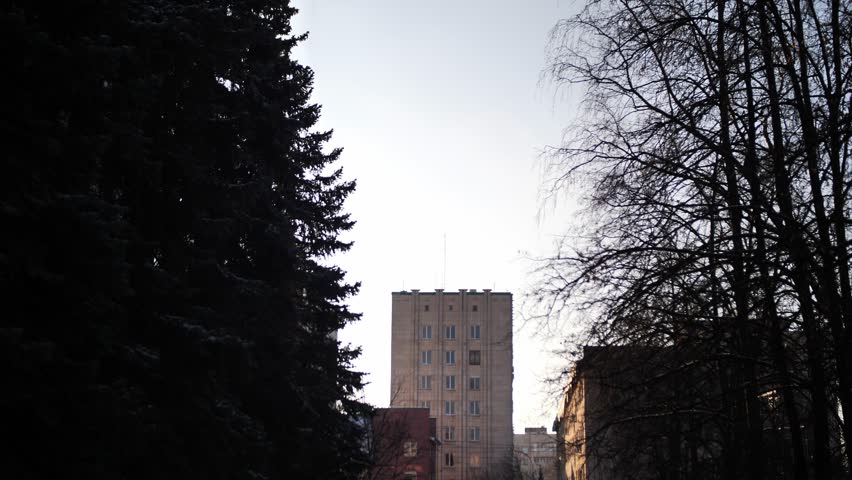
[444, 282]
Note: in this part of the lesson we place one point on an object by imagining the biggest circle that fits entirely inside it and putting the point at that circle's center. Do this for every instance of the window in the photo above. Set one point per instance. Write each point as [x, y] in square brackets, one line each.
[474, 383]
[474, 332]
[450, 382]
[475, 357]
[451, 357]
[409, 449]
[449, 461]
[426, 332]
[449, 407]
[425, 308]
[426, 357]
[473, 434]
[475, 460]
[426, 404]
[425, 382]
[474, 308]
[450, 332]
[450, 307]
[473, 407]
[449, 433]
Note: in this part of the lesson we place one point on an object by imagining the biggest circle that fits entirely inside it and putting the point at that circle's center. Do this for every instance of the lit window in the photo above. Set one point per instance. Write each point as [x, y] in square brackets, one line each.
[475, 357]
[474, 407]
[473, 434]
[426, 332]
[426, 357]
[450, 332]
[475, 460]
[451, 382]
[449, 461]
[474, 332]
[474, 383]
[449, 407]
[449, 433]
[451, 357]
[425, 382]
[410, 449]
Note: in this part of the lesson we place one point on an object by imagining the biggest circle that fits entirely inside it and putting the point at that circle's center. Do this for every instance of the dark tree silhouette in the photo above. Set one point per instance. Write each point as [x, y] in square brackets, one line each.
[169, 212]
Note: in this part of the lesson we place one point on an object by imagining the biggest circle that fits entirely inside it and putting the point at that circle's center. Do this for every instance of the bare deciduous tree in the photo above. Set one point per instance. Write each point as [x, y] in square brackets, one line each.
[715, 149]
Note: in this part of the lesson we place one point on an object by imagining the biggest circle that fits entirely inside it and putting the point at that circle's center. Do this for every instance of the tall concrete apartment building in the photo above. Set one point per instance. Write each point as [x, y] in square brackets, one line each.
[451, 352]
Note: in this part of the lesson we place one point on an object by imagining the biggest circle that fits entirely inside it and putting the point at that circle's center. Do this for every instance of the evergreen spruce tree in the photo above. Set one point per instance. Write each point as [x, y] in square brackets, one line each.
[170, 213]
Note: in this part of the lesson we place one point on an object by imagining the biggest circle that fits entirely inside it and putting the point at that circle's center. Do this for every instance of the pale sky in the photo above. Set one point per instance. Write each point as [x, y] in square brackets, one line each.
[442, 116]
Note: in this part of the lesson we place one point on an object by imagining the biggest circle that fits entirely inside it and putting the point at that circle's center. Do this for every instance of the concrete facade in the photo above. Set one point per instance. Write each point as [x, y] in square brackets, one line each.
[452, 353]
[571, 431]
[535, 451]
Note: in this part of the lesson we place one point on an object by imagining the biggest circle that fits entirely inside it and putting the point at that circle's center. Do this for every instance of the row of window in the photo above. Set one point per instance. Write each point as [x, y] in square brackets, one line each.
[474, 383]
[450, 307]
[449, 460]
[410, 448]
[474, 357]
[473, 433]
[473, 407]
[449, 332]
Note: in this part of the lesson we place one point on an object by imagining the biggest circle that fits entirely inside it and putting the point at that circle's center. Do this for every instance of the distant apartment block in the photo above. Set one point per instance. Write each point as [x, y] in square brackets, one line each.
[535, 453]
[451, 352]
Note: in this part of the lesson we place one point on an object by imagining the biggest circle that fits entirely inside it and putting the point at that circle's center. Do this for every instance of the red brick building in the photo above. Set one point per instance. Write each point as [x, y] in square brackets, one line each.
[404, 444]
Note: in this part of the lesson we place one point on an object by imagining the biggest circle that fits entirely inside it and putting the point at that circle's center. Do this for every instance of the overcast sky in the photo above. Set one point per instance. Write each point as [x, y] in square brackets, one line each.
[442, 116]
